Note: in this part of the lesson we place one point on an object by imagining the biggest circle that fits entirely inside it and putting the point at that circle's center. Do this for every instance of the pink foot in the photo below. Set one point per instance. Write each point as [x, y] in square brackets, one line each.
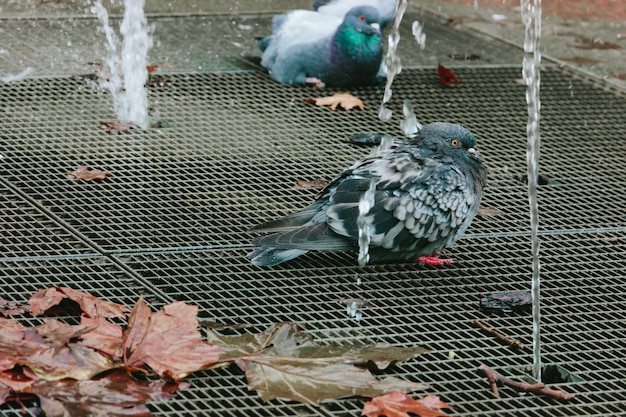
[434, 260]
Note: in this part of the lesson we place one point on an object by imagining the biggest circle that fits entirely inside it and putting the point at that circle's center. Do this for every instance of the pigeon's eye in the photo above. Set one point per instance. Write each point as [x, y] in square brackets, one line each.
[362, 18]
[455, 142]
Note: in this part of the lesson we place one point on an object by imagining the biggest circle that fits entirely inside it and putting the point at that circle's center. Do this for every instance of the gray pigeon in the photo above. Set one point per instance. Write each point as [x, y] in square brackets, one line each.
[386, 8]
[307, 47]
[427, 192]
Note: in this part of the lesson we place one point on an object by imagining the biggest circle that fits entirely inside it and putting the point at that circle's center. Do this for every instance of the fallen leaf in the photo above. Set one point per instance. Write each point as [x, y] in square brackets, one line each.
[465, 57]
[106, 337]
[506, 302]
[580, 60]
[48, 350]
[486, 212]
[316, 184]
[116, 126]
[283, 362]
[90, 305]
[11, 308]
[84, 173]
[619, 76]
[345, 100]
[314, 381]
[168, 341]
[398, 404]
[114, 394]
[446, 76]
[156, 80]
[594, 43]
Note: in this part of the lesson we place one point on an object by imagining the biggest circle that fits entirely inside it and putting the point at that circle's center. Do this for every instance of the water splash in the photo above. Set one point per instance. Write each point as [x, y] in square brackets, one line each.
[410, 126]
[531, 17]
[366, 203]
[420, 37]
[392, 61]
[126, 69]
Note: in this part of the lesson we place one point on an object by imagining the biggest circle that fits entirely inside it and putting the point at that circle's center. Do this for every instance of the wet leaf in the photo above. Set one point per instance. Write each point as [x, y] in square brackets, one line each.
[316, 184]
[313, 381]
[11, 308]
[486, 212]
[106, 337]
[446, 76]
[465, 57]
[580, 60]
[49, 351]
[116, 126]
[506, 302]
[283, 362]
[84, 173]
[90, 305]
[168, 341]
[345, 100]
[594, 43]
[398, 404]
[114, 394]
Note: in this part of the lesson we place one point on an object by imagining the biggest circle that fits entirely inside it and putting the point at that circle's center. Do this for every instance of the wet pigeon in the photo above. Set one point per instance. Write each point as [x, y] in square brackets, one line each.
[386, 8]
[307, 47]
[427, 191]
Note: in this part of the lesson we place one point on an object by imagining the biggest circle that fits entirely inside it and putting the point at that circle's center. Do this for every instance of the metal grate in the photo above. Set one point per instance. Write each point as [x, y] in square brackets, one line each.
[171, 223]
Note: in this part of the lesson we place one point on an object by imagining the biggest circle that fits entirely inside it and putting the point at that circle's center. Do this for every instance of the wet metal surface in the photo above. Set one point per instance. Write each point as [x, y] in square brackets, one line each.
[171, 222]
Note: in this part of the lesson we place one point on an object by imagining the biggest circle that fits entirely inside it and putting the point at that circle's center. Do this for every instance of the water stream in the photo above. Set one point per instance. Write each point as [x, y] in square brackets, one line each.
[125, 66]
[531, 17]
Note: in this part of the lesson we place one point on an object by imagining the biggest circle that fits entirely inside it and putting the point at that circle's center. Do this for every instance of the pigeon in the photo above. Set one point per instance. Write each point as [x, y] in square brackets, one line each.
[386, 8]
[427, 190]
[307, 47]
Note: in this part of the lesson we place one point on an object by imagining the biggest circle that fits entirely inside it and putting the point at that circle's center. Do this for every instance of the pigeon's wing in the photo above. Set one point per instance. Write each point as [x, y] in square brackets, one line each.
[418, 201]
[298, 27]
[291, 221]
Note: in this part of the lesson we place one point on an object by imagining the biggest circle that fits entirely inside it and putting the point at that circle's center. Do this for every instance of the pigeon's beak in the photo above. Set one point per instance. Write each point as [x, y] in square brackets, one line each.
[375, 26]
[473, 153]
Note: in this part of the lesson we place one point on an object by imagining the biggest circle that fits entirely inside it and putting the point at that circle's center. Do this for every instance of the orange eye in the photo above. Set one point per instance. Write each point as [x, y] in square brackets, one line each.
[455, 142]
[362, 18]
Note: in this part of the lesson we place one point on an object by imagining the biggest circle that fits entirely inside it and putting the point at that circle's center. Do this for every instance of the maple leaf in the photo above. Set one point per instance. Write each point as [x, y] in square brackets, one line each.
[345, 100]
[114, 394]
[485, 212]
[316, 184]
[48, 350]
[106, 337]
[398, 404]
[168, 341]
[84, 173]
[92, 306]
[116, 126]
[282, 362]
[11, 308]
[446, 76]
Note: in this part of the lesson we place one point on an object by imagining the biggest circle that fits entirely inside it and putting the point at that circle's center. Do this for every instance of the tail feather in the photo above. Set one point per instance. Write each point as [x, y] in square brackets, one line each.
[273, 256]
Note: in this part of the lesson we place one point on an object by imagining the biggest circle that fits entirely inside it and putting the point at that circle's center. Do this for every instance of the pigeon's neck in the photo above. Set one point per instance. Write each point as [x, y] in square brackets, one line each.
[356, 45]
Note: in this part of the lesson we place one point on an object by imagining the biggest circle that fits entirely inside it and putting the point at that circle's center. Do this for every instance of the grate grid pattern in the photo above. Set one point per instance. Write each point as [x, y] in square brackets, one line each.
[172, 222]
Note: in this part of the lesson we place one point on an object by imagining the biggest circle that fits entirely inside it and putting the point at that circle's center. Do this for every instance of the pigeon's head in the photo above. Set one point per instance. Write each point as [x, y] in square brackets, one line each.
[364, 19]
[449, 139]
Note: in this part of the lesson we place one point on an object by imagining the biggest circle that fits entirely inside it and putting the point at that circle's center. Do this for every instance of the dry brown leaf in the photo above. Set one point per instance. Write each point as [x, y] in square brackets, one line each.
[90, 305]
[398, 404]
[316, 184]
[84, 173]
[116, 126]
[345, 100]
[168, 341]
[486, 212]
